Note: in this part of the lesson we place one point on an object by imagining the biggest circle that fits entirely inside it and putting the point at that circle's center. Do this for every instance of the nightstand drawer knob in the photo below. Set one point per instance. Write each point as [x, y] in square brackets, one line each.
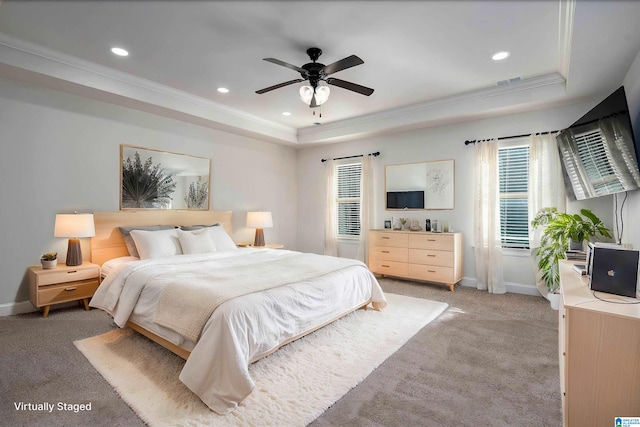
[72, 271]
[71, 289]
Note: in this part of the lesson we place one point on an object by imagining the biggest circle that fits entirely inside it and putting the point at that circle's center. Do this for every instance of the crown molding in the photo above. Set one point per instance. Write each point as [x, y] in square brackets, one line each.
[565, 31]
[463, 106]
[145, 94]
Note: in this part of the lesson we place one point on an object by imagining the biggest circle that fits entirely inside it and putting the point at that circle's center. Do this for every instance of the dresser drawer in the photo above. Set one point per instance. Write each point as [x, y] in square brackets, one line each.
[63, 276]
[431, 257]
[391, 268]
[440, 242]
[431, 273]
[388, 253]
[390, 239]
[69, 291]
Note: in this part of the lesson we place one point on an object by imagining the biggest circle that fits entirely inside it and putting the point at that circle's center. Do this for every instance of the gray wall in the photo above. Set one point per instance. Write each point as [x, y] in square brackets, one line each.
[632, 207]
[437, 143]
[61, 152]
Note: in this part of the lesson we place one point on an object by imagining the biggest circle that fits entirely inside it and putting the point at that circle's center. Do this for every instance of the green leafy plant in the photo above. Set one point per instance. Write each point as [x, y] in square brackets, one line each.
[145, 185]
[197, 196]
[49, 256]
[559, 229]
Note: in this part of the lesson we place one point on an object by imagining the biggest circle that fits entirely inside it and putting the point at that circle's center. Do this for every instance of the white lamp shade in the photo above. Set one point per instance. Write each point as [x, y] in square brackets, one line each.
[322, 94]
[259, 220]
[74, 225]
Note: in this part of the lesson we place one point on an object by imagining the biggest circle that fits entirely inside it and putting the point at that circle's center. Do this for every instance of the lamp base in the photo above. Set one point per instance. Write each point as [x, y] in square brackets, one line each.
[74, 252]
[259, 240]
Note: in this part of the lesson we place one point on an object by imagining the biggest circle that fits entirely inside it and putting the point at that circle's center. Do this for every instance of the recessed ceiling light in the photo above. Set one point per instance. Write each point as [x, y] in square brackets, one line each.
[500, 55]
[223, 90]
[286, 113]
[119, 51]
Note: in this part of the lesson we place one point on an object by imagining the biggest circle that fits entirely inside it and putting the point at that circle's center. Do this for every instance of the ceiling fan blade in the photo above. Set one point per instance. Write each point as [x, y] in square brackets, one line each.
[286, 64]
[350, 86]
[278, 86]
[343, 64]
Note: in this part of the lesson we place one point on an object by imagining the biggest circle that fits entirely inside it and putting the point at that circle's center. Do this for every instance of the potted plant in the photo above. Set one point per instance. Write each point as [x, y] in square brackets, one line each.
[49, 260]
[560, 229]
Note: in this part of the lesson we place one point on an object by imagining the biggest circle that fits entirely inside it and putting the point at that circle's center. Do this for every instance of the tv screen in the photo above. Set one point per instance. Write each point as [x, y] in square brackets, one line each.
[599, 152]
[405, 199]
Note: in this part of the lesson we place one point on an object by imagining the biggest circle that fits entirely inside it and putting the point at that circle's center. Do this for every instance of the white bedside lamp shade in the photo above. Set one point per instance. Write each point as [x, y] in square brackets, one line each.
[74, 226]
[259, 220]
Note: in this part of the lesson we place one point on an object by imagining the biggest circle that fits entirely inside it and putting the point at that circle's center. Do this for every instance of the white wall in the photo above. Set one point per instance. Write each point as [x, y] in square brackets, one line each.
[60, 153]
[632, 207]
[437, 143]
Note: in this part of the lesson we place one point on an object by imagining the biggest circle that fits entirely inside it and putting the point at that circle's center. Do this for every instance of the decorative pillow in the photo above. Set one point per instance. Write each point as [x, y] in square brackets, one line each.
[220, 238]
[114, 263]
[128, 240]
[196, 242]
[156, 244]
[196, 227]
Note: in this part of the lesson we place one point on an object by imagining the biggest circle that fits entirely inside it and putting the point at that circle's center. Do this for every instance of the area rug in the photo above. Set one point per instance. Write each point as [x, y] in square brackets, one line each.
[293, 385]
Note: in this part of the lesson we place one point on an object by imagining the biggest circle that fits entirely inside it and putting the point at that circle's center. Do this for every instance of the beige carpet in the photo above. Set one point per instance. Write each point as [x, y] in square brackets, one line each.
[293, 386]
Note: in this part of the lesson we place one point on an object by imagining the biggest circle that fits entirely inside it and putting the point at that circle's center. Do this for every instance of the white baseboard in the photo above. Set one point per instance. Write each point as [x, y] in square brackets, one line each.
[512, 287]
[11, 308]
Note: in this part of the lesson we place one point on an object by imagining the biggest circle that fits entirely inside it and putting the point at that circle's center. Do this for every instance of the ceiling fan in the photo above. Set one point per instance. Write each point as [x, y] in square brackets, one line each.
[315, 72]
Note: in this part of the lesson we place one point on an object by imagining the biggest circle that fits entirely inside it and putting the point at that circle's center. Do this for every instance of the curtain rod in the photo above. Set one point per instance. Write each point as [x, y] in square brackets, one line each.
[376, 154]
[467, 142]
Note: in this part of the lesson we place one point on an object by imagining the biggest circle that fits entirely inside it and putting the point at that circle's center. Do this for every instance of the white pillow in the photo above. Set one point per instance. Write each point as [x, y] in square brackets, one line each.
[114, 263]
[196, 242]
[156, 244]
[221, 239]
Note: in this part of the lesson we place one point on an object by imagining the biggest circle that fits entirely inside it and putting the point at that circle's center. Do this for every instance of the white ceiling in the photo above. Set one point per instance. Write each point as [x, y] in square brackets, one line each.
[429, 62]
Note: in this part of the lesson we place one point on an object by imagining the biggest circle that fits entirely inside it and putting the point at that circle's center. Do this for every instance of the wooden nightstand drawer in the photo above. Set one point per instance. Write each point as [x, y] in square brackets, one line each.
[70, 275]
[70, 291]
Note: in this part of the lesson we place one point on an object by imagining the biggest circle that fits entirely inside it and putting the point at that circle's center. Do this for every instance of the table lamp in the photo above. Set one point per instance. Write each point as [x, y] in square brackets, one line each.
[259, 221]
[74, 226]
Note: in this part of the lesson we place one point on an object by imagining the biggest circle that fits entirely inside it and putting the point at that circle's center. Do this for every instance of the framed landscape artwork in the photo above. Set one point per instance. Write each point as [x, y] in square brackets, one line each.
[152, 179]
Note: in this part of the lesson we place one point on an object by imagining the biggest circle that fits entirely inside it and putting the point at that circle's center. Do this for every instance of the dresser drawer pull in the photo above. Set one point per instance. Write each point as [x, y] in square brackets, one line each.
[431, 271]
[385, 266]
[385, 252]
[71, 289]
[431, 240]
[385, 237]
[433, 256]
[72, 271]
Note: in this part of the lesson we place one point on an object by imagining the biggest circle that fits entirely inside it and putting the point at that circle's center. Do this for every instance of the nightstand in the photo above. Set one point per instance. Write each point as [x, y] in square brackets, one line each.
[62, 284]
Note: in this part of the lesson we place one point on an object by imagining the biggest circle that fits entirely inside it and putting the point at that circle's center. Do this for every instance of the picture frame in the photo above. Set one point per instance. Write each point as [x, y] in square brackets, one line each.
[440, 185]
[154, 179]
[387, 225]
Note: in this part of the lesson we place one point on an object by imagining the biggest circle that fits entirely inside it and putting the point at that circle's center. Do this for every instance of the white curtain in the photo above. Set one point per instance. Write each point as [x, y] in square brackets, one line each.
[546, 189]
[366, 208]
[330, 240]
[488, 249]
[546, 184]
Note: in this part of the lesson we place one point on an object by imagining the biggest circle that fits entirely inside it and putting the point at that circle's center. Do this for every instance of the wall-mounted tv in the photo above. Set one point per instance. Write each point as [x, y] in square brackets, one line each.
[405, 199]
[599, 152]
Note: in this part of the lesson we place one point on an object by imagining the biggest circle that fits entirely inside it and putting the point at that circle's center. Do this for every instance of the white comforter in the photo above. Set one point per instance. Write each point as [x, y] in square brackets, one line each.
[241, 330]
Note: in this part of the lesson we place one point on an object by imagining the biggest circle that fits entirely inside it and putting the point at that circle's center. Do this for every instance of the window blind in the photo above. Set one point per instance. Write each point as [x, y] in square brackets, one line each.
[597, 164]
[348, 199]
[513, 167]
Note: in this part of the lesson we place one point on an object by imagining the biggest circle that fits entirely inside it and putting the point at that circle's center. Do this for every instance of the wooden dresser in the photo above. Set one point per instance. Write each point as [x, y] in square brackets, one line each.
[417, 255]
[599, 346]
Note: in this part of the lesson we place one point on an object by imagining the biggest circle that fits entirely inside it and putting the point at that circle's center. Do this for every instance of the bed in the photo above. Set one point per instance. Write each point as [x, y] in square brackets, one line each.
[220, 310]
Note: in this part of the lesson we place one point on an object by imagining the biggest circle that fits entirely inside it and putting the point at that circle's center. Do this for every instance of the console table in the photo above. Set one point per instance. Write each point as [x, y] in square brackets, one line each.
[599, 350]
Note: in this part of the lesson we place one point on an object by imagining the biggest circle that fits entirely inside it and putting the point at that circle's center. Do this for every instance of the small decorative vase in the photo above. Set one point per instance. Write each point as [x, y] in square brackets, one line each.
[396, 224]
[415, 225]
[46, 265]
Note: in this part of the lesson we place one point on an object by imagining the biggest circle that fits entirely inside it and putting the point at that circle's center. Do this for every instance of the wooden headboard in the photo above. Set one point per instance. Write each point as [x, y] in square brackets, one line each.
[108, 242]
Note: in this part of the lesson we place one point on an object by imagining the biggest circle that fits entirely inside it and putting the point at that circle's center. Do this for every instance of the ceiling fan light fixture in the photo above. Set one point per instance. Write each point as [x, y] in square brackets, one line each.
[321, 92]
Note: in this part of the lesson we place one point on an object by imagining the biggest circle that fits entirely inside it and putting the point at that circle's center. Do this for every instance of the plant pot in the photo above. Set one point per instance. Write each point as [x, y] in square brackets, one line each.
[554, 299]
[576, 245]
[47, 265]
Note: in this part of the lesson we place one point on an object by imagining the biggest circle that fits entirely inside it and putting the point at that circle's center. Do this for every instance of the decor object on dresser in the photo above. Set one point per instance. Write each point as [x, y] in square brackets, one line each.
[559, 231]
[49, 260]
[151, 179]
[598, 341]
[417, 255]
[259, 221]
[74, 226]
[62, 284]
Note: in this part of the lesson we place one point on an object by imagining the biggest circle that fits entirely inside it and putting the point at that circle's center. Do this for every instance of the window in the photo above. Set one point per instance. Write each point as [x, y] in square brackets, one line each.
[348, 199]
[513, 167]
[597, 163]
